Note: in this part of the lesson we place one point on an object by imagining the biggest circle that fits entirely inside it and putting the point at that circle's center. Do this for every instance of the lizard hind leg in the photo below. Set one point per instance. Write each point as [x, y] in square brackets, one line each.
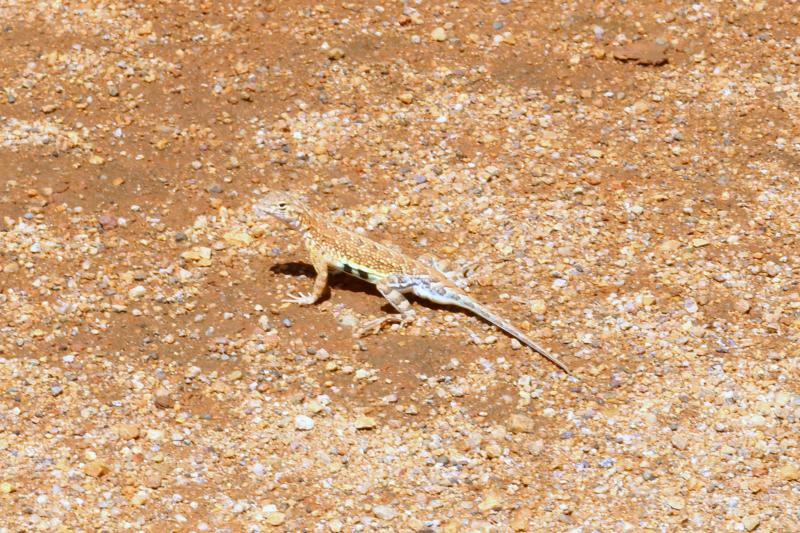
[457, 274]
[392, 289]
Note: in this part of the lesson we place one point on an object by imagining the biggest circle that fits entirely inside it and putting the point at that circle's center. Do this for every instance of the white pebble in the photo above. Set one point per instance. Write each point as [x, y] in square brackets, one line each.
[303, 423]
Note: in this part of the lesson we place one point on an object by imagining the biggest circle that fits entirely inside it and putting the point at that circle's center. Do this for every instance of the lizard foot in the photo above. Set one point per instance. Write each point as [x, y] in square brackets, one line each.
[301, 298]
[373, 326]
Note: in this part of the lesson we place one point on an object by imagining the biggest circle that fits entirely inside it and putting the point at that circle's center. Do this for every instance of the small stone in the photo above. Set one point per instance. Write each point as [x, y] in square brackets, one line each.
[128, 431]
[275, 518]
[406, 98]
[155, 434]
[107, 221]
[237, 238]
[789, 472]
[6, 488]
[536, 447]
[384, 512]
[676, 502]
[303, 423]
[494, 450]
[197, 165]
[139, 498]
[96, 160]
[97, 468]
[538, 306]
[200, 254]
[113, 90]
[236, 375]
[751, 522]
[334, 54]
[164, 400]
[519, 423]
[137, 292]
[49, 108]
[699, 243]
[438, 34]
[679, 441]
[491, 501]
[741, 306]
[365, 422]
[335, 525]
[648, 53]
[10, 268]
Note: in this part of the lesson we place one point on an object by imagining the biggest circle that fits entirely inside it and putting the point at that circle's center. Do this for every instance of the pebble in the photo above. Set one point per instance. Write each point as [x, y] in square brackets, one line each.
[164, 400]
[137, 292]
[275, 518]
[538, 306]
[789, 472]
[751, 522]
[97, 468]
[519, 423]
[491, 501]
[335, 54]
[679, 441]
[406, 97]
[128, 431]
[303, 423]
[365, 422]
[676, 502]
[439, 34]
[384, 512]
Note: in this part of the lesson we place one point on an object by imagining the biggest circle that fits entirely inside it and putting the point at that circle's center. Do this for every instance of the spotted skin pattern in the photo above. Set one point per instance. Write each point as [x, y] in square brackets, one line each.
[393, 273]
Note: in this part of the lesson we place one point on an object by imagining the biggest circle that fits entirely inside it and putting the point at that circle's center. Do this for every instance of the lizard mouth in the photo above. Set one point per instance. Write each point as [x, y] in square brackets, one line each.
[260, 210]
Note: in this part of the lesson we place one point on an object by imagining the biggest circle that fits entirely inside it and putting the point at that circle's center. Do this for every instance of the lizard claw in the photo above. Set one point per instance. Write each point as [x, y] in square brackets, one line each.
[301, 298]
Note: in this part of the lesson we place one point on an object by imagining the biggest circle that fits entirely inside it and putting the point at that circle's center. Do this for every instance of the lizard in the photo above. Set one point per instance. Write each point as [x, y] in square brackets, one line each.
[394, 274]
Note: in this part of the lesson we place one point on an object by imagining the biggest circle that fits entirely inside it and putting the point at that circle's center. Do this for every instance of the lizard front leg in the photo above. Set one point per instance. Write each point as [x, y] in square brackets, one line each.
[321, 266]
[392, 289]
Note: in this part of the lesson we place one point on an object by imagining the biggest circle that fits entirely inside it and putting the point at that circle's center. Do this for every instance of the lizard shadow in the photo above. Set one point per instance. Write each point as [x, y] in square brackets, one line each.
[335, 280]
[339, 280]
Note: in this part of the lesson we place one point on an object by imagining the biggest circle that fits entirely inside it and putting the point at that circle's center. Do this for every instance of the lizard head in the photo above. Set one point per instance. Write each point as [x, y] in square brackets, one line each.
[282, 206]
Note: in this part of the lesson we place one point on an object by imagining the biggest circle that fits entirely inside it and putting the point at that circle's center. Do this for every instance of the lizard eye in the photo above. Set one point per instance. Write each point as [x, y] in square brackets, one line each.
[282, 205]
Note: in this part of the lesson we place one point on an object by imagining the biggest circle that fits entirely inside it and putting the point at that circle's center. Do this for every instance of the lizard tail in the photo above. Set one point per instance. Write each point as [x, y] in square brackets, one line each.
[506, 326]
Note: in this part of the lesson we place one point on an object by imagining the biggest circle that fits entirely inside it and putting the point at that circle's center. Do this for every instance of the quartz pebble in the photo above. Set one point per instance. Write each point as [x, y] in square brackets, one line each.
[303, 423]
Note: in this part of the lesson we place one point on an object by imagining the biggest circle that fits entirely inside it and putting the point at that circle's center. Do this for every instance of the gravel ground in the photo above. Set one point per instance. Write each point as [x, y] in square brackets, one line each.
[625, 174]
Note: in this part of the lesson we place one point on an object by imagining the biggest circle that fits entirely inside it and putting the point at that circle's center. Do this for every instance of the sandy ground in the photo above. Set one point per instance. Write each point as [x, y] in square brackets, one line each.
[625, 175]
